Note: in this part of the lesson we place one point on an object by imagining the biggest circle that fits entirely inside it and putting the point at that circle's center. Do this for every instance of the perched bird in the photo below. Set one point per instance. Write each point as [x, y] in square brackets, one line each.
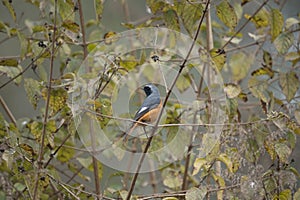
[149, 109]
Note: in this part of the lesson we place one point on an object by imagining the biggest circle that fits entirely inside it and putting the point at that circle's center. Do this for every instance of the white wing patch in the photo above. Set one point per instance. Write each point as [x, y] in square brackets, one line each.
[142, 109]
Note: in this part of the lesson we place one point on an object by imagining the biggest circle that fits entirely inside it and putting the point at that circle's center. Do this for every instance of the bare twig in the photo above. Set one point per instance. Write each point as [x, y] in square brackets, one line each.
[84, 45]
[45, 120]
[244, 25]
[164, 104]
[7, 110]
[85, 54]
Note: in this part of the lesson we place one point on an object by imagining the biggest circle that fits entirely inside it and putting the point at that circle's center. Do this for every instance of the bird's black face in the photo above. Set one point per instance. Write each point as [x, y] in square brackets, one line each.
[147, 89]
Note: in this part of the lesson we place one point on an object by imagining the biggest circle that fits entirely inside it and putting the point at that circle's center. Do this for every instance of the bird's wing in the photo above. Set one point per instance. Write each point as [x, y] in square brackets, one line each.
[149, 104]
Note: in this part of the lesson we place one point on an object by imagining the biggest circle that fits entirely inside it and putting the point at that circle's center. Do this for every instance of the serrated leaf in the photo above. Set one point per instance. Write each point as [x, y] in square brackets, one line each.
[261, 19]
[259, 88]
[85, 162]
[232, 90]
[283, 42]
[283, 151]
[171, 20]
[65, 154]
[243, 96]
[297, 194]
[129, 63]
[183, 82]
[172, 181]
[263, 71]
[66, 9]
[269, 146]
[71, 25]
[276, 23]
[219, 58]
[32, 88]
[27, 148]
[293, 57]
[267, 59]
[110, 37]
[190, 14]
[98, 5]
[290, 22]
[227, 161]
[284, 195]
[226, 14]
[240, 64]
[196, 193]
[19, 187]
[23, 44]
[156, 5]
[9, 62]
[11, 72]
[10, 8]
[289, 83]
[198, 164]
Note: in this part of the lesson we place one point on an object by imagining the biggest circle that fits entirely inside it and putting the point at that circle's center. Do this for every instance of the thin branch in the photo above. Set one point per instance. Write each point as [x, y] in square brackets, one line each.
[244, 25]
[7, 110]
[45, 120]
[55, 152]
[85, 54]
[164, 104]
[84, 45]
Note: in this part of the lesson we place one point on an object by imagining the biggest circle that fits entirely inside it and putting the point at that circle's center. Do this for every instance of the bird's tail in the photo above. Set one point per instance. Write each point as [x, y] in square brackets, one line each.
[131, 129]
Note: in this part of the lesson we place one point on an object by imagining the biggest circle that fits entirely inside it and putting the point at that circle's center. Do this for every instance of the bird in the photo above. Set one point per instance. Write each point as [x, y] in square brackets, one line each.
[149, 109]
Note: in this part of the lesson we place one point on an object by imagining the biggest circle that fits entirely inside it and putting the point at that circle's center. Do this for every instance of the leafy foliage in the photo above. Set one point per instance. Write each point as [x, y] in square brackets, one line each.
[42, 156]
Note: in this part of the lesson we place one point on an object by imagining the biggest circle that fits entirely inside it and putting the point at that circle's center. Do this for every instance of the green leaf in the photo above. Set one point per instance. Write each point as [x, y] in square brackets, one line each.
[263, 71]
[240, 64]
[23, 44]
[283, 42]
[227, 161]
[156, 5]
[226, 14]
[9, 62]
[66, 9]
[283, 152]
[12, 72]
[259, 88]
[183, 82]
[11, 10]
[198, 164]
[218, 58]
[171, 20]
[19, 187]
[290, 22]
[267, 59]
[65, 154]
[284, 195]
[261, 19]
[232, 90]
[276, 23]
[71, 25]
[170, 198]
[32, 88]
[190, 14]
[289, 83]
[297, 194]
[98, 5]
[196, 193]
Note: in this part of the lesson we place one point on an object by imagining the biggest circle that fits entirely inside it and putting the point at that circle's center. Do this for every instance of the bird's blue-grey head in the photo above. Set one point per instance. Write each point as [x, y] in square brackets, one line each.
[151, 89]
